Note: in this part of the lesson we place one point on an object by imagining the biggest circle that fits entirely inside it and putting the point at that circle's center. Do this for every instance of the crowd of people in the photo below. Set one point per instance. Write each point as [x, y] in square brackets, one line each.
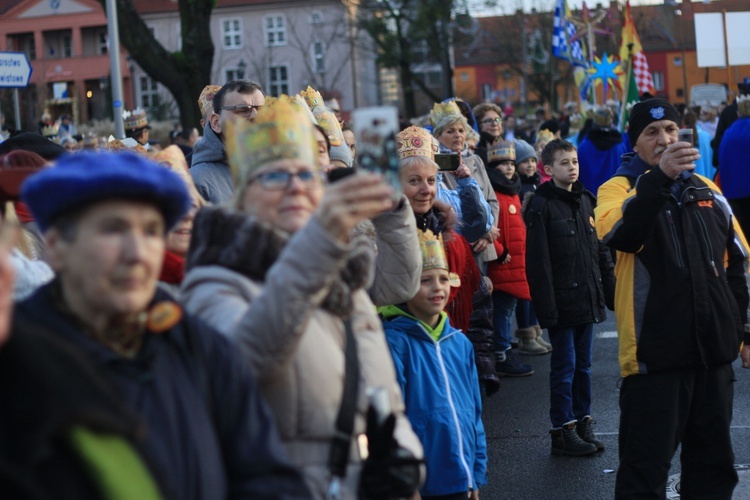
[235, 316]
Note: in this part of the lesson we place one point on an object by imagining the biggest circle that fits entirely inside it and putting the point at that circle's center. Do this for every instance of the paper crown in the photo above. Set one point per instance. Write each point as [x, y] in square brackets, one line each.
[173, 157]
[415, 141]
[743, 105]
[280, 131]
[135, 119]
[442, 111]
[127, 144]
[501, 150]
[330, 125]
[49, 131]
[544, 136]
[433, 254]
[206, 99]
[312, 97]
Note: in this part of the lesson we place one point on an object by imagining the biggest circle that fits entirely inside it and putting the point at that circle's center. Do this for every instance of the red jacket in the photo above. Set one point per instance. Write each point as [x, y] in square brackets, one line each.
[511, 277]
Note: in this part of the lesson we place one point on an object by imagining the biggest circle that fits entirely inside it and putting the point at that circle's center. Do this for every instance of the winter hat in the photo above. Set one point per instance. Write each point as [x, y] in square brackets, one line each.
[646, 112]
[524, 151]
[29, 141]
[79, 180]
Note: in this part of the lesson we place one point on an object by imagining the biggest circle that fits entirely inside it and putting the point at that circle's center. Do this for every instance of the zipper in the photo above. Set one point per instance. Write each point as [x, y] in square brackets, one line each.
[455, 418]
[704, 233]
[675, 240]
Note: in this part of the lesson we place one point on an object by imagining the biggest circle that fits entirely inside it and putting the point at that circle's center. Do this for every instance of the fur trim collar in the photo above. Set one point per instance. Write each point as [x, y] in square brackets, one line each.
[242, 244]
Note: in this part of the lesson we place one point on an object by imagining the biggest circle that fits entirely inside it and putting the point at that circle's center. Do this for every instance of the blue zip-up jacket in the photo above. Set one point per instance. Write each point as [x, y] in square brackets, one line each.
[441, 391]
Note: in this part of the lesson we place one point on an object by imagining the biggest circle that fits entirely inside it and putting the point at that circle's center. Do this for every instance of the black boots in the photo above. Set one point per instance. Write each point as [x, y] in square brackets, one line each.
[586, 432]
[566, 441]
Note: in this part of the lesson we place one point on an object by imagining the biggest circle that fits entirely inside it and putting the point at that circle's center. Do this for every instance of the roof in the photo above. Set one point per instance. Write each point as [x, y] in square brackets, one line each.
[159, 6]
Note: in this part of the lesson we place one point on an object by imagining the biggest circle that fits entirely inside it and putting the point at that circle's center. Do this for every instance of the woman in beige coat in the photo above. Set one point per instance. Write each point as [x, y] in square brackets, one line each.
[282, 274]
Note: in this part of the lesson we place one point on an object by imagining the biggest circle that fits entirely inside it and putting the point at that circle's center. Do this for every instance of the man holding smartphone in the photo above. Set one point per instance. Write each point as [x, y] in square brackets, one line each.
[681, 301]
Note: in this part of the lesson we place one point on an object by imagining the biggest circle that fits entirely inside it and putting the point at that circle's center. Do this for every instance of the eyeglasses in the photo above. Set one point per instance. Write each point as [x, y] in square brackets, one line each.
[243, 110]
[278, 179]
[490, 121]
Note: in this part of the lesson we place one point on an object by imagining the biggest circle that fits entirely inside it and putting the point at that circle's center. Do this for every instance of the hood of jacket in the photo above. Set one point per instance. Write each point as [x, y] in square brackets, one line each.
[604, 138]
[400, 317]
[632, 166]
[210, 149]
[241, 243]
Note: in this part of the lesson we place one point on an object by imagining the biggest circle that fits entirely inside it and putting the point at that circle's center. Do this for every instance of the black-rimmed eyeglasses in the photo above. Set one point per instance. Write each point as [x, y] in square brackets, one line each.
[243, 110]
[279, 179]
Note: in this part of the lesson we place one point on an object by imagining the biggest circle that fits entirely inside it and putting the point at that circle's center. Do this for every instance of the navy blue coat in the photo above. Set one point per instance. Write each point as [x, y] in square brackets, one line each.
[209, 434]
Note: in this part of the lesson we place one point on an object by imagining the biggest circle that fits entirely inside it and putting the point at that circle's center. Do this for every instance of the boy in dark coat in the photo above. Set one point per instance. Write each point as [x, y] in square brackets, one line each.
[568, 281]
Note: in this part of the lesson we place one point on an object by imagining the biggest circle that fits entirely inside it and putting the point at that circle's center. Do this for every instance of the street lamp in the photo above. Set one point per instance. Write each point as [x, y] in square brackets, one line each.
[241, 67]
[678, 13]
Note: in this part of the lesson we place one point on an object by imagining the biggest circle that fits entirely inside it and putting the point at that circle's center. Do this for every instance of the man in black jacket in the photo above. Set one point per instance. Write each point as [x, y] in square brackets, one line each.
[681, 302]
[568, 272]
[104, 217]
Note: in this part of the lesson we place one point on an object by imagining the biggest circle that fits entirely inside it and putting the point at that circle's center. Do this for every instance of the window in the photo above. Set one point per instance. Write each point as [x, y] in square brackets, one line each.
[678, 61]
[103, 46]
[658, 80]
[67, 42]
[275, 30]
[231, 31]
[149, 93]
[319, 57]
[234, 74]
[316, 17]
[278, 78]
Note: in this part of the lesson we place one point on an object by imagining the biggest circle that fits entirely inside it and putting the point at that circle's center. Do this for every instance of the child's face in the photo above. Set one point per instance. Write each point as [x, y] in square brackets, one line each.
[564, 170]
[527, 167]
[507, 167]
[434, 289]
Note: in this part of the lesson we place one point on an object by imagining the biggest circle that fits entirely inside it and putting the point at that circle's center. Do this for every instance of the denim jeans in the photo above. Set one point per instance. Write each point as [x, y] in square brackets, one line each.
[525, 315]
[570, 373]
[503, 306]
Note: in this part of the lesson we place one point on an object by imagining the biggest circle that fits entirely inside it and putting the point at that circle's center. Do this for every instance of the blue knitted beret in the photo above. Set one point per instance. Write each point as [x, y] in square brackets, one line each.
[82, 179]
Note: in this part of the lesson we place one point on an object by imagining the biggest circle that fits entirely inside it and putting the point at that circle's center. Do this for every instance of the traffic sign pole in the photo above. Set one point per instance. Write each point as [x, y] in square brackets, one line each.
[116, 77]
[17, 110]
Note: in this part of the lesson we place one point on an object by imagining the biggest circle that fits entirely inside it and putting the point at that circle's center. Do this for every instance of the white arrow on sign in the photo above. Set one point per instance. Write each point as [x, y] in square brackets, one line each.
[15, 70]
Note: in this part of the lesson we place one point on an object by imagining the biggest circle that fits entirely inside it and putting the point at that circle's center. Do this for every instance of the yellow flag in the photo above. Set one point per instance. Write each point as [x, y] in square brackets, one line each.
[629, 35]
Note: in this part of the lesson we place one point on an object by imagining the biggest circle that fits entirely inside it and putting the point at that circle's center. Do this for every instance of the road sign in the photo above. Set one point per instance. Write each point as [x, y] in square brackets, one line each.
[15, 70]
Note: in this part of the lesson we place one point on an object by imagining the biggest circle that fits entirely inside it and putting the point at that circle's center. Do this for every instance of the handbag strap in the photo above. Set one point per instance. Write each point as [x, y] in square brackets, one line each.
[342, 439]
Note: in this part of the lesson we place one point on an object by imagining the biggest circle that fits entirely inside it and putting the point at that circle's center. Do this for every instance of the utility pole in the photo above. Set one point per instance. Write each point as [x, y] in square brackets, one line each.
[114, 60]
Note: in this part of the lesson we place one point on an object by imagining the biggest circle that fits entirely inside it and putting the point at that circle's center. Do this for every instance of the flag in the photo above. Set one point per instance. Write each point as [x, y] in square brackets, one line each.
[629, 98]
[639, 64]
[562, 32]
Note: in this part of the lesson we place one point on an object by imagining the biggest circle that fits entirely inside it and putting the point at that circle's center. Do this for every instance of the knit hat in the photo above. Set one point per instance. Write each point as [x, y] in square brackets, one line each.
[646, 112]
[524, 151]
[79, 180]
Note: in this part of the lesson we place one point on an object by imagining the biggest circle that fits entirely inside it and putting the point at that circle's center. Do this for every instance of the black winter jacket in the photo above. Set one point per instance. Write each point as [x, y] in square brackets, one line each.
[567, 268]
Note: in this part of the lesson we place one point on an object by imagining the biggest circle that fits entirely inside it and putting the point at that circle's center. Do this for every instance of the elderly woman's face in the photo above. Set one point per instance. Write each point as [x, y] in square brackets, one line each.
[284, 193]
[419, 182]
[453, 137]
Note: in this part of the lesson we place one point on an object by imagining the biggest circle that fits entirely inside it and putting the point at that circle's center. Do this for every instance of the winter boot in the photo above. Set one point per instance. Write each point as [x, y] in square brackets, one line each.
[527, 342]
[507, 364]
[586, 432]
[540, 338]
[566, 441]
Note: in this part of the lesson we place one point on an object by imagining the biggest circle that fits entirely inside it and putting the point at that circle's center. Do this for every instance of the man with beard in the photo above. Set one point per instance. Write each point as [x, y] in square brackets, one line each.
[681, 301]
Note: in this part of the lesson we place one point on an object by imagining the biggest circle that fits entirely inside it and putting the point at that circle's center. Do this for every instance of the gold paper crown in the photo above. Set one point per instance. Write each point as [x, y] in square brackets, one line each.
[433, 254]
[414, 141]
[173, 157]
[49, 131]
[206, 99]
[501, 150]
[743, 105]
[329, 124]
[135, 119]
[442, 111]
[281, 131]
[312, 97]
[544, 136]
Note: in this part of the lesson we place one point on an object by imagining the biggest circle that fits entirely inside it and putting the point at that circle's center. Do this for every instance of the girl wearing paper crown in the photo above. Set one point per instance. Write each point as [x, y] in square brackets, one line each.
[282, 277]
[469, 305]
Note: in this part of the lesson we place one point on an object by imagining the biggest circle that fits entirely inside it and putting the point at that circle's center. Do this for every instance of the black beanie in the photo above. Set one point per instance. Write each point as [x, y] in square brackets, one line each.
[646, 112]
[29, 141]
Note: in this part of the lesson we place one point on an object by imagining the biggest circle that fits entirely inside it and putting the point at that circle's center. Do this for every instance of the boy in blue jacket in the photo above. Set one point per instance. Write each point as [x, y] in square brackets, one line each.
[435, 367]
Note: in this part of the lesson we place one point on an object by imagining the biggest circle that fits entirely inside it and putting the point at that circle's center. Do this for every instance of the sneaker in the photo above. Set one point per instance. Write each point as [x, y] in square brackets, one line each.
[566, 441]
[586, 432]
[510, 366]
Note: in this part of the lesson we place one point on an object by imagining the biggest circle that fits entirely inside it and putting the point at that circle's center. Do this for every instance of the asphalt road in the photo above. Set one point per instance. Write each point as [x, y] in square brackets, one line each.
[517, 425]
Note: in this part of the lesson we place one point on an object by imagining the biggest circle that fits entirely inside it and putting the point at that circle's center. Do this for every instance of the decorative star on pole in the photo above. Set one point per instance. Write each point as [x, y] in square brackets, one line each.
[607, 71]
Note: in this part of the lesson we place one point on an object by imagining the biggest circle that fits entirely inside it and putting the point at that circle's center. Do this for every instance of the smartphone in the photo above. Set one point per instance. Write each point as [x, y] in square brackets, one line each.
[685, 135]
[339, 173]
[375, 130]
[450, 161]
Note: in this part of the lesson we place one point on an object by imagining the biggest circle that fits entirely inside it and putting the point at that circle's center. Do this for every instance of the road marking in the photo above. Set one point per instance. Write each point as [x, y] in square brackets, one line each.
[606, 335]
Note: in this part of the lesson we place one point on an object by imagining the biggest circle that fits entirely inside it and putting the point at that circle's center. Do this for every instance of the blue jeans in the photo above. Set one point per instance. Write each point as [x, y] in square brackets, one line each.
[570, 373]
[525, 315]
[503, 306]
